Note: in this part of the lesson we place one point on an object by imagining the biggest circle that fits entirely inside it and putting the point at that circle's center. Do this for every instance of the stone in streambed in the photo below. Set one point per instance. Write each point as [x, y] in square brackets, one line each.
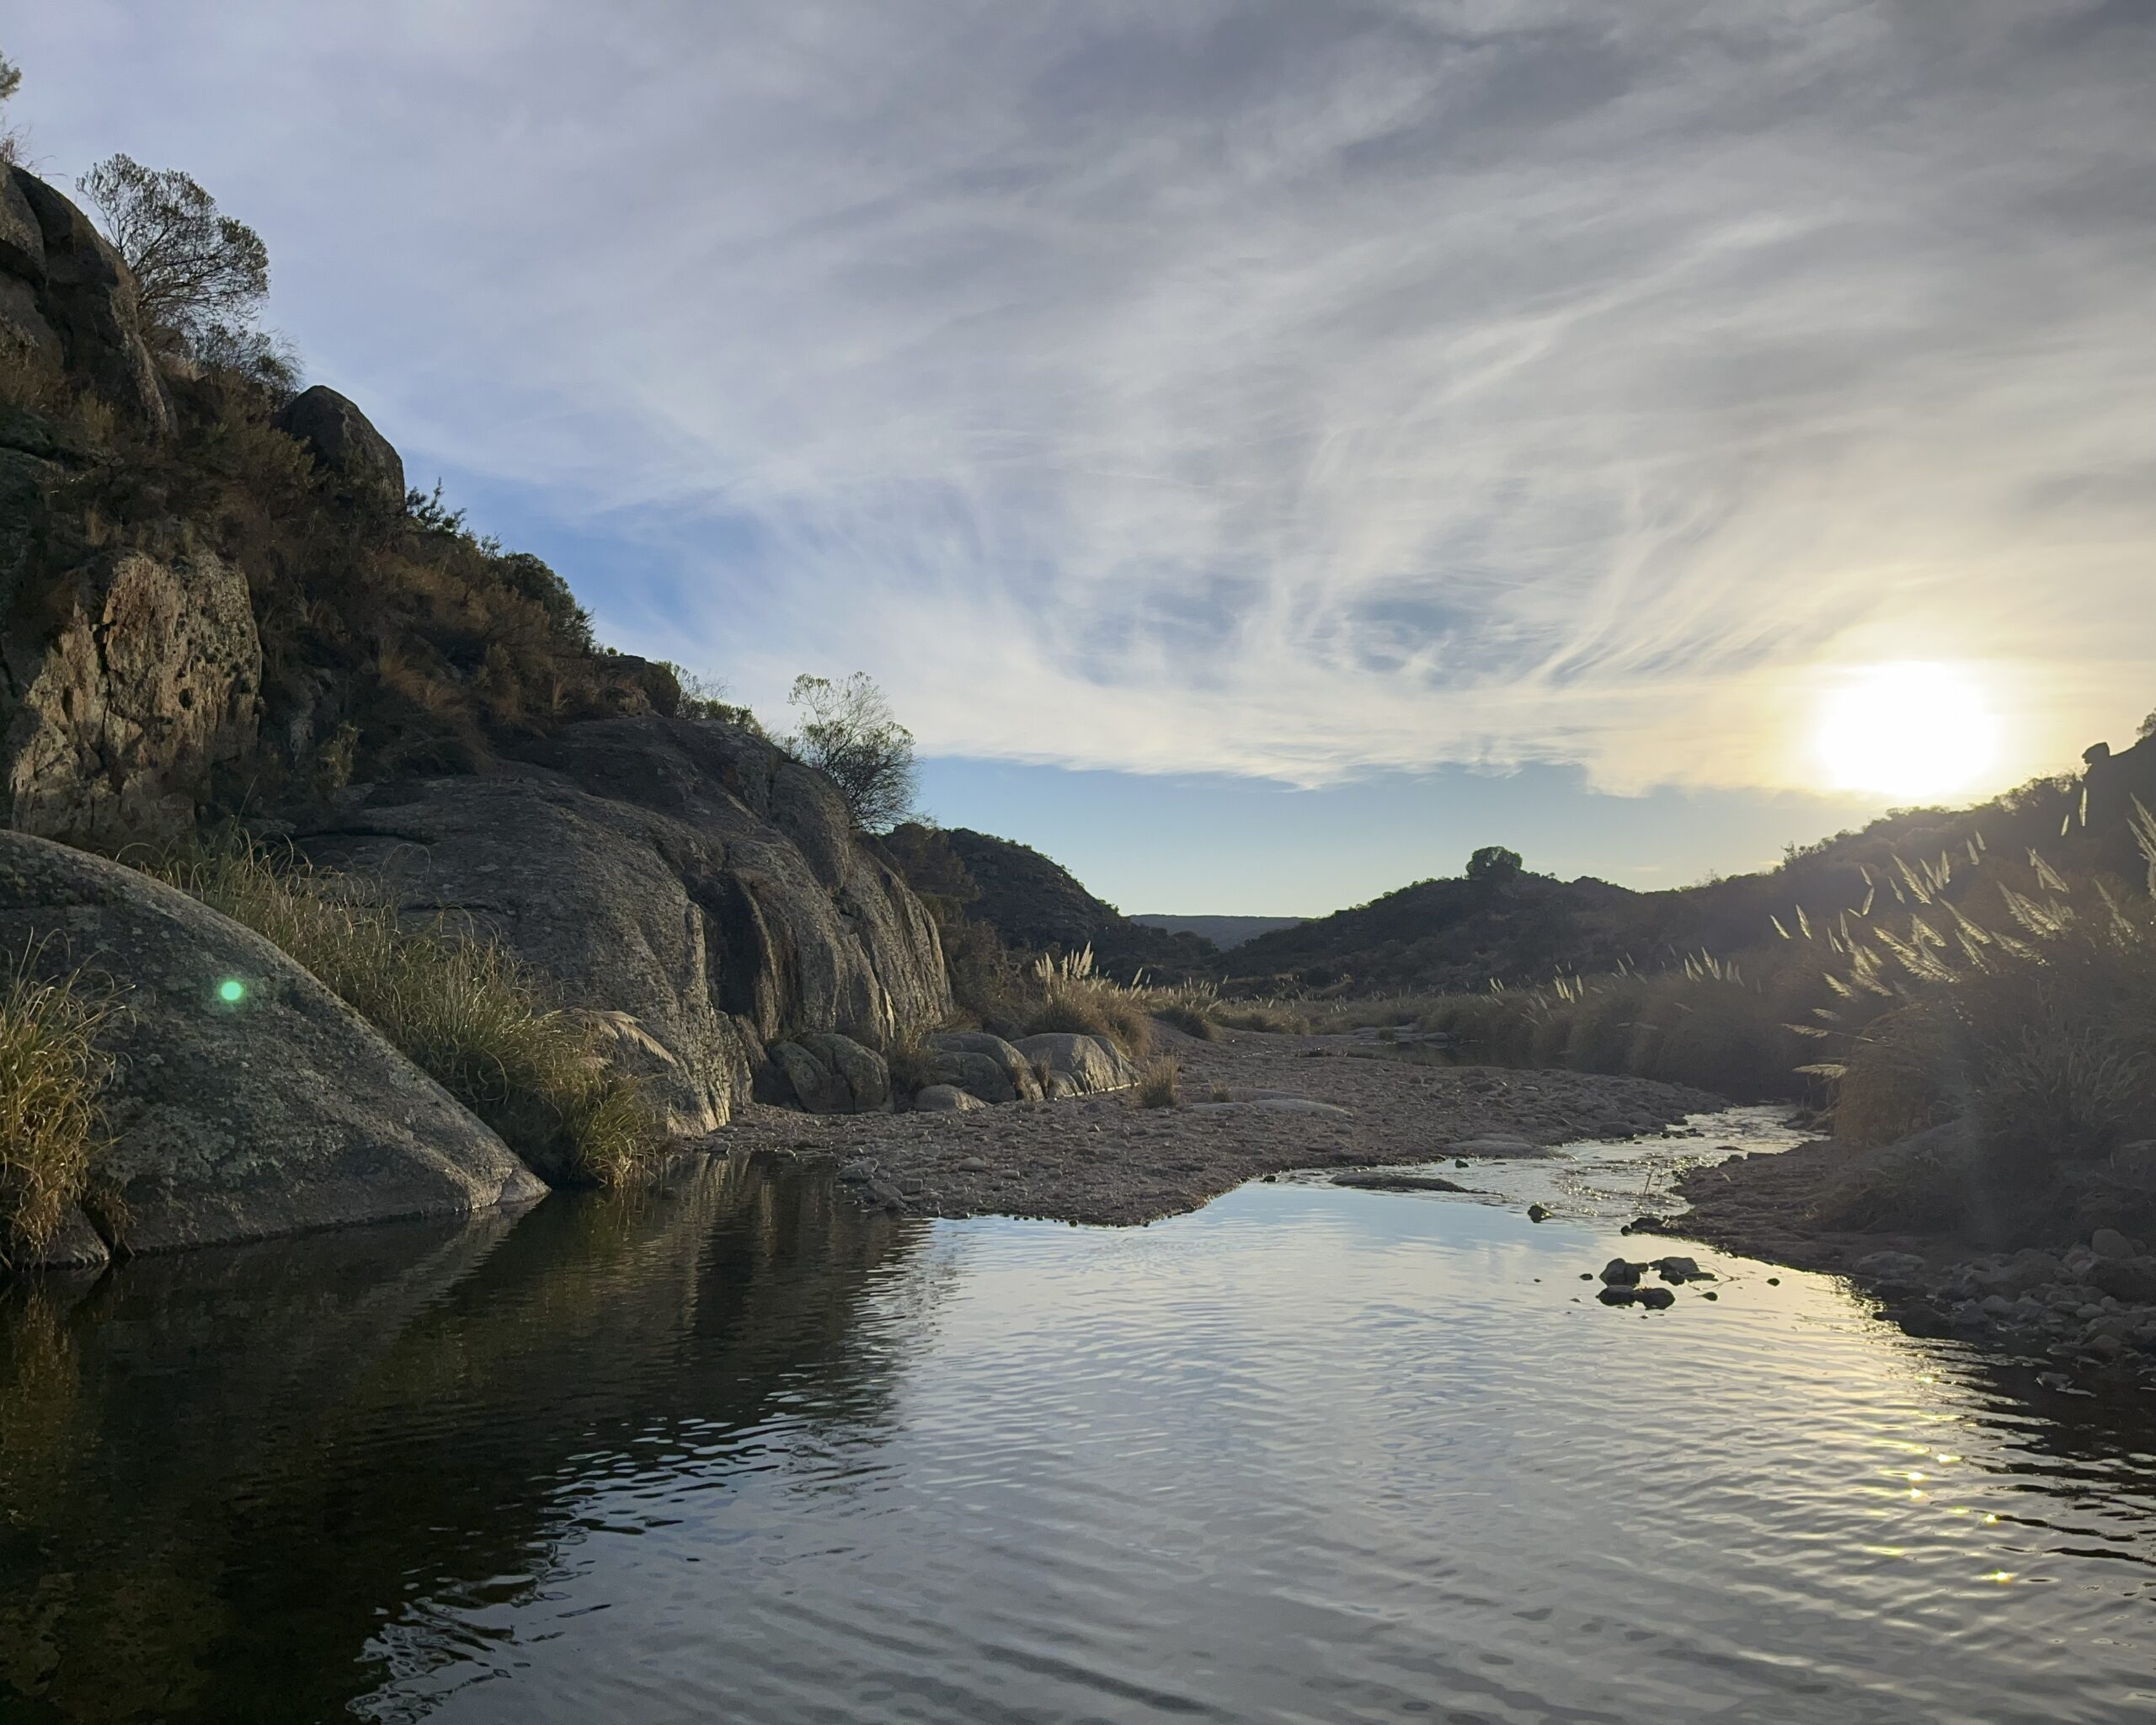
[1397, 1183]
[945, 1099]
[1619, 1272]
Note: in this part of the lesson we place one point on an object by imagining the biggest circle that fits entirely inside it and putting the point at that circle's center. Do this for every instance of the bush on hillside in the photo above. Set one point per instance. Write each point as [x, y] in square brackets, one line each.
[849, 733]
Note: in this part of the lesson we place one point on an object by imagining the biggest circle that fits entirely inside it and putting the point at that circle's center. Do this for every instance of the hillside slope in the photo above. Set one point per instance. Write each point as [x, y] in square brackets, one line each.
[1035, 905]
[1454, 934]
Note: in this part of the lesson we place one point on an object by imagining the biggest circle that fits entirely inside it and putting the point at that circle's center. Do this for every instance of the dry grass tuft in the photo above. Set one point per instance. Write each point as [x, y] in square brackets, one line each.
[1160, 1086]
[52, 1071]
[460, 1009]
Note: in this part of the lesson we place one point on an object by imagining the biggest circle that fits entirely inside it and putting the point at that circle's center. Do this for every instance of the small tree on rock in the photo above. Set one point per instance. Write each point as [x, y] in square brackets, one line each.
[11, 141]
[849, 733]
[199, 273]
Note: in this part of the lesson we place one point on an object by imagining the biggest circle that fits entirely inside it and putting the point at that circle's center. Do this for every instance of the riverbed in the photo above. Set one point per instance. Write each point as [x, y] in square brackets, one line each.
[744, 1451]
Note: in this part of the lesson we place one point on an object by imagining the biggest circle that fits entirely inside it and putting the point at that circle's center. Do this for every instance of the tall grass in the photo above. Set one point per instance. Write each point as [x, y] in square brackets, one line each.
[460, 1009]
[1072, 997]
[52, 1071]
[2036, 1025]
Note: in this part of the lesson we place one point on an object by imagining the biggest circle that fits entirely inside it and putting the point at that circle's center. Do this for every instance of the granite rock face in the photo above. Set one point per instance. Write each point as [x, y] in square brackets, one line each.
[683, 876]
[274, 1112]
[121, 701]
[70, 296]
[343, 440]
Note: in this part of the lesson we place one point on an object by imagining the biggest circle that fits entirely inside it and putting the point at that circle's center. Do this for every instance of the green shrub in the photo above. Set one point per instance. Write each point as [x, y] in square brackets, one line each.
[460, 1009]
[51, 1070]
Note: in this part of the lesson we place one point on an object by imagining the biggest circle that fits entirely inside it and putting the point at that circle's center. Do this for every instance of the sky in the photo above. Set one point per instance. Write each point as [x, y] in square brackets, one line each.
[1265, 451]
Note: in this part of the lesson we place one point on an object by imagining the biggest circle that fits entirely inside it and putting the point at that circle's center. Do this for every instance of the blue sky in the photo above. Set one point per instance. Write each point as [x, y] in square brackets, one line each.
[1265, 449]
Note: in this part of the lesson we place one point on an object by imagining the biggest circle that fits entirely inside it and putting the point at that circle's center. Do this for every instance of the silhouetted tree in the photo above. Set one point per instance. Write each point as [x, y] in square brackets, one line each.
[1493, 865]
[850, 735]
[196, 271]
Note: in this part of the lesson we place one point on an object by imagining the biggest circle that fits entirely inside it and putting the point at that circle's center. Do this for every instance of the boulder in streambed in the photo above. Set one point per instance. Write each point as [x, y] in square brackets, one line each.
[246, 1100]
[831, 1073]
[1619, 1272]
[1078, 1065]
[945, 1099]
[984, 1067]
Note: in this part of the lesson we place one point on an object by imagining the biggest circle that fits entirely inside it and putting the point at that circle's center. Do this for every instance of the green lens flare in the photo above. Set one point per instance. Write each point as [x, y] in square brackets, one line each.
[232, 990]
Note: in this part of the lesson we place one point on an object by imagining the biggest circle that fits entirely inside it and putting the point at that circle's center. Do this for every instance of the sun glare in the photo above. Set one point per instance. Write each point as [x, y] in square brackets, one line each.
[1912, 730]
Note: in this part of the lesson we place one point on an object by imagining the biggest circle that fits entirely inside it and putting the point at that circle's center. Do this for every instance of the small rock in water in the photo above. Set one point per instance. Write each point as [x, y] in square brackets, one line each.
[1647, 1225]
[1681, 1270]
[1587, 1275]
[1619, 1273]
[1397, 1183]
[1657, 1299]
[1535, 1213]
[1618, 1296]
[1709, 1294]
[1459, 1161]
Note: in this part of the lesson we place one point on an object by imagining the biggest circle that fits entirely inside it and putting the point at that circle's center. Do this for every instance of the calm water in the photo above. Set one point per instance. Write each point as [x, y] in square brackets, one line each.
[1311, 1454]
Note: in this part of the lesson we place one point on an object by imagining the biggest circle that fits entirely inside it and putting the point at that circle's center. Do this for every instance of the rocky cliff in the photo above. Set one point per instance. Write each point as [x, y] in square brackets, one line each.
[217, 604]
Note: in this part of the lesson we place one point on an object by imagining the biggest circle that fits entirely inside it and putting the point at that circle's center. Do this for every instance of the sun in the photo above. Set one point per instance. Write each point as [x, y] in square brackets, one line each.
[1916, 729]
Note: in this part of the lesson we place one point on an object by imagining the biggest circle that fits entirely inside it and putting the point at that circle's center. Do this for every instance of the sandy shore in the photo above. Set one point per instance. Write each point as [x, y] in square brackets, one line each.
[1253, 1104]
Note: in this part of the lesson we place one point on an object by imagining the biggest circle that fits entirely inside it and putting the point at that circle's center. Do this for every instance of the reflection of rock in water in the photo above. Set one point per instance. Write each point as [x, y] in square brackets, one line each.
[223, 1475]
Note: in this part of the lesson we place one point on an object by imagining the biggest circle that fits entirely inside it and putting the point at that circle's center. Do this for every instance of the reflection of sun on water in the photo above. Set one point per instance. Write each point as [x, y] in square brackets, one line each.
[1915, 729]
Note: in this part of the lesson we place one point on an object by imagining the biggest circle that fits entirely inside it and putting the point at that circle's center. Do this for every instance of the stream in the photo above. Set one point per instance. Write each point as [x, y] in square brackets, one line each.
[738, 1452]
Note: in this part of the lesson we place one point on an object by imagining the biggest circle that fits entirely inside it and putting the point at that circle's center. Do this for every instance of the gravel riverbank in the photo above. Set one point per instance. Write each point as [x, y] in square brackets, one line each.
[2087, 1305]
[1253, 1104]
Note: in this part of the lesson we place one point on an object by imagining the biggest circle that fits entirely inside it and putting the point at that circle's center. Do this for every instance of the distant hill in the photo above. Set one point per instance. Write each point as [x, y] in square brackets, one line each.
[1446, 935]
[1034, 904]
[1224, 932]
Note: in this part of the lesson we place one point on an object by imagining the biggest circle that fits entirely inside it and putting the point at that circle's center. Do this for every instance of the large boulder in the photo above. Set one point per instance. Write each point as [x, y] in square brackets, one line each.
[342, 440]
[984, 1065]
[83, 295]
[123, 695]
[831, 1073]
[277, 1111]
[1076, 1064]
[683, 873]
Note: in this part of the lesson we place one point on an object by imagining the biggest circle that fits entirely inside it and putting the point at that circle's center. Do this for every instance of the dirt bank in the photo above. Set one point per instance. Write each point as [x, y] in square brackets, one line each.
[1253, 1104]
[2083, 1304]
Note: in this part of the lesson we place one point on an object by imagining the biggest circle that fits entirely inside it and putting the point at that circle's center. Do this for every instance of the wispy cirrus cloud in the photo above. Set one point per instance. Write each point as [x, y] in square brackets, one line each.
[1289, 390]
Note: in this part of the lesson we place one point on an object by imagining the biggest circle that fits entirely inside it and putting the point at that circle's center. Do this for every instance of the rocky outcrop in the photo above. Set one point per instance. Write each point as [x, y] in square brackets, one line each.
[984, 1067]
[342, 440]
[69, 295]
[831, 1073]
[684, 876]
[276, 1110]
[1078, 1066]
[118, 701]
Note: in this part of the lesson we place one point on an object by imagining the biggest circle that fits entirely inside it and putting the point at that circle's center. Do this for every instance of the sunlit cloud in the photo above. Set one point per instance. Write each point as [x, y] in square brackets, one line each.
[1296, 390]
